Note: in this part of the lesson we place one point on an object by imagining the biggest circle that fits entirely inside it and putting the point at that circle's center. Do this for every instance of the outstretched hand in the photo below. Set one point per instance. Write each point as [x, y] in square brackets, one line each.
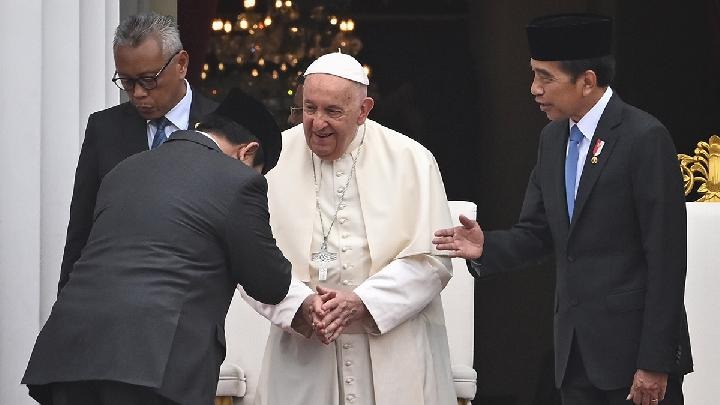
[465, 241]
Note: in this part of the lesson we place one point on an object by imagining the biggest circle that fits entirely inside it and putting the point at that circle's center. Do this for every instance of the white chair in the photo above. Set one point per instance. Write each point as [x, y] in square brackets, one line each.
[247, 333]
[232, 384]
[458, 304]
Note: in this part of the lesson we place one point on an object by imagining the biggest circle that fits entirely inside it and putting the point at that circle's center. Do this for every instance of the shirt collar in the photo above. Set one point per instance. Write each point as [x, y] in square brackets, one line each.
[209, 137]
[179, 115]
[588, 123]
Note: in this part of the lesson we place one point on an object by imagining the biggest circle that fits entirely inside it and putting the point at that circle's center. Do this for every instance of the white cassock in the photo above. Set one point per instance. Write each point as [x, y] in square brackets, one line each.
[382, 235]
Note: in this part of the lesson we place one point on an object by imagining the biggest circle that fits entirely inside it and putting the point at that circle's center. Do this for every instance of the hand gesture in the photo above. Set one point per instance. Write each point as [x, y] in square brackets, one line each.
[341, 308]
[309, 315]
[464, 241]
[648, 387]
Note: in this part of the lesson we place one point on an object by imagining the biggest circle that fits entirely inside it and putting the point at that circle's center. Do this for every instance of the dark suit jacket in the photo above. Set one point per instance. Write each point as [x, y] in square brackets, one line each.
[621, 262]
[175, 230]
[111, 136]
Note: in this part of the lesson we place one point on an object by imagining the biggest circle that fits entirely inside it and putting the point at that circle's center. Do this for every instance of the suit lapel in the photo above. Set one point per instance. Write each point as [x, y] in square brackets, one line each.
[134, 129]
[559, 150]
[610, 119]
[199, 108]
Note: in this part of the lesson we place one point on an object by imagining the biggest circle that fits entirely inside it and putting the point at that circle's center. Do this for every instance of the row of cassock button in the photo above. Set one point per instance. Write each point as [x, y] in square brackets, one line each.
[342, 220]
[349, 380]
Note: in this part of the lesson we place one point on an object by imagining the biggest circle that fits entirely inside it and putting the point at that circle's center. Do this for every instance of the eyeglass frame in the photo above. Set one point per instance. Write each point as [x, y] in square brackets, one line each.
[295, 110]
[332, 114]
[139, 80]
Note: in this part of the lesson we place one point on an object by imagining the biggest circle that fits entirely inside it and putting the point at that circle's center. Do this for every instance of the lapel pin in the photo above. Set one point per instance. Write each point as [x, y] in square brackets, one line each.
[597, 149]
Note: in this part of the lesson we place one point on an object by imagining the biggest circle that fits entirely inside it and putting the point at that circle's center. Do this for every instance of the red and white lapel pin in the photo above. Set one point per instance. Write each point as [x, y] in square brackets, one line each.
[597, 149]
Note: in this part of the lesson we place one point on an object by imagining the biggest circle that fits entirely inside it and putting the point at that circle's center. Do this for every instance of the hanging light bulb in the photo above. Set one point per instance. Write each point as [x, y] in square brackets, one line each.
[203, 75]
[255, 73]
[249, 3]
[221, 66]
[239, 60]
[343, 25]
[268, 21]
[288, 3]
[367, 70]
[333, 20]
[261, 62]
[244, 23]
[350, 25]
[206, 67]
[227, 27]
[278, 4]
[217, 25]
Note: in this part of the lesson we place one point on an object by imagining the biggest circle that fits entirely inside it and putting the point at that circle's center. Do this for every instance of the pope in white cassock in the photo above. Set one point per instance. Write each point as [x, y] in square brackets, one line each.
[353, 206]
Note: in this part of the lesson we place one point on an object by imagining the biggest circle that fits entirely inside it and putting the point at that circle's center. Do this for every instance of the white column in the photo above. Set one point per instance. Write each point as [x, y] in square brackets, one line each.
[59, 135]
[21, 84]
[55, 71]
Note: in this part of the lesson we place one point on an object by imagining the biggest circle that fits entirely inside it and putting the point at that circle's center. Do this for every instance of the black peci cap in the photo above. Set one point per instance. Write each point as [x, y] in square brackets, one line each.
[569, 37]
[253, 115]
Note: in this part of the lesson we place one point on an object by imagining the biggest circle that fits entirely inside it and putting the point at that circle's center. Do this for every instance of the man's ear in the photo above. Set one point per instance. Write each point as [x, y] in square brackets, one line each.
[246, 153]
[589, 81]
[365, 107]
[183, 61]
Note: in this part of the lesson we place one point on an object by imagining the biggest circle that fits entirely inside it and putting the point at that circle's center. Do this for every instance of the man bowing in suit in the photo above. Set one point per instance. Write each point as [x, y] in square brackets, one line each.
[606, 197]
[150, 65]
[141, 320]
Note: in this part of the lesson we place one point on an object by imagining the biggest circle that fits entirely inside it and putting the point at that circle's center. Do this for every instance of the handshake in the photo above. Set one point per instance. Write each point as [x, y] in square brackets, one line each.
[328, 312]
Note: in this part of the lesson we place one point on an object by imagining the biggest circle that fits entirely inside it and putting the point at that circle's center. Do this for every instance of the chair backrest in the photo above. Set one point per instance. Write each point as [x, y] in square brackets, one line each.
[246, 335]
[458, 298]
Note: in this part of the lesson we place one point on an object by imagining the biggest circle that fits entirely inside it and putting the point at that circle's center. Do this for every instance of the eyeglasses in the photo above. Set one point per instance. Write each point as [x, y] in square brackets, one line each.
[330, 113]
[146, 82]
[296, 111]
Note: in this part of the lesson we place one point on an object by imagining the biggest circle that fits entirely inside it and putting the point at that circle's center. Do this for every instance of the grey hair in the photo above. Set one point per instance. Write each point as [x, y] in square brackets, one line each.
[135, 29]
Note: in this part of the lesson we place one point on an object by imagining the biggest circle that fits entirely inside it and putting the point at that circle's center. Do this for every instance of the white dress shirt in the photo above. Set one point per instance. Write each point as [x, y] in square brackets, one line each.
[179, 117]
[587, 125]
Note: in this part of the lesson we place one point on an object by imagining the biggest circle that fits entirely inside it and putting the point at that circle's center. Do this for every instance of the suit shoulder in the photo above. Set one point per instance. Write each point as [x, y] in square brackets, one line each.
[113, 113]
[203, 104]
[553, 129]
[643, 126]
[636, 116]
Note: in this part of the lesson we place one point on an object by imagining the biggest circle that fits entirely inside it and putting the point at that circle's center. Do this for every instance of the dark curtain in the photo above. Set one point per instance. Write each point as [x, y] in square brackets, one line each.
[194, 18]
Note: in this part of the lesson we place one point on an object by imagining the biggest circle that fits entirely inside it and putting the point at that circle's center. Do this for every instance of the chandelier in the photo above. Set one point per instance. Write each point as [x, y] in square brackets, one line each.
[264, 46]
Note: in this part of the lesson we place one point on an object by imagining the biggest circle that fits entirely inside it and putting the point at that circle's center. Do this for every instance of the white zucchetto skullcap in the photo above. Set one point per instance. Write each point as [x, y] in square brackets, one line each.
[341, 65]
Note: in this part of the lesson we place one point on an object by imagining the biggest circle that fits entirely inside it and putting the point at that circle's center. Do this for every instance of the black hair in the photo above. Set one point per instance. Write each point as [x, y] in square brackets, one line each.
[235, 133]
[603, 66]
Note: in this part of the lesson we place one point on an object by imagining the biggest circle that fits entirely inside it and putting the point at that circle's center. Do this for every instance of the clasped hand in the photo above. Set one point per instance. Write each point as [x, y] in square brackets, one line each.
[331, 311]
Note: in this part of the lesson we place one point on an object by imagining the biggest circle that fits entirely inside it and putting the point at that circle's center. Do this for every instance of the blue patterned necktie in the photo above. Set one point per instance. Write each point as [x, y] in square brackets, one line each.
[571, 168]
[160, 137]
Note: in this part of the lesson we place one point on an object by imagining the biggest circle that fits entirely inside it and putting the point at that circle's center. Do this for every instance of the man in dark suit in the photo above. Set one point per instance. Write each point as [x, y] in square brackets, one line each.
[141, 320]
[150, 66]
[606, 197]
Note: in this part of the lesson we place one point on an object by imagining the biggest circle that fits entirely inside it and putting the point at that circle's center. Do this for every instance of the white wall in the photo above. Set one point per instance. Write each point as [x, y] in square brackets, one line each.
[54, 71]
